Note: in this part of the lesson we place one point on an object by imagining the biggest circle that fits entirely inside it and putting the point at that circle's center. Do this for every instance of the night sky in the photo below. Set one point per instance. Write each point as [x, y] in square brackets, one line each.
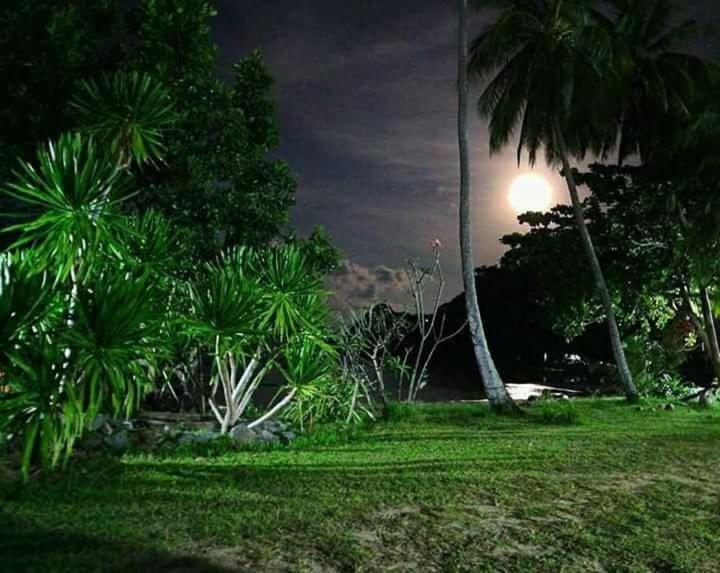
[365, 92]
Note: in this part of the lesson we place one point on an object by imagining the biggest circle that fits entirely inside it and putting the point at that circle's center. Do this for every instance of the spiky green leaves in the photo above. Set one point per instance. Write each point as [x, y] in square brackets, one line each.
[128, 112]
[292, 293]
[225, 302]
[41, 405]
[272, 295]
[27, 301]
[115, 340]
[69, 201]
[153, 242]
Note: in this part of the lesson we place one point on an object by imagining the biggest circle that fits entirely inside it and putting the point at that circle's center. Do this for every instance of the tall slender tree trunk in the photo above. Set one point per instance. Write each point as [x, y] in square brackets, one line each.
[494, 388]
[601, 286]
[713, 349]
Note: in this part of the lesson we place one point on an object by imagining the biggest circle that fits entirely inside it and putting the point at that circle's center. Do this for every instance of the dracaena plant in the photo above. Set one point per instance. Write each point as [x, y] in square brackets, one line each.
[129, 112]
[82, 321]
[28, 302]
[250, 307]
[115, 341]
[153, 243]
[39, 407]
[58, 373]
[68, 205]
[310, 391]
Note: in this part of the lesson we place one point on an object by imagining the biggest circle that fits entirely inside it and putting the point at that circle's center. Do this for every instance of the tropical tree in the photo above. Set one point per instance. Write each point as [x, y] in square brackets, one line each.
[663, 91]
[47, 46]
[657, 78]
[495, 390]
[666, 271]
[82, 324]
[256, 310]
[219, 180]
[541, 60]
[61, 369]
[129, 113]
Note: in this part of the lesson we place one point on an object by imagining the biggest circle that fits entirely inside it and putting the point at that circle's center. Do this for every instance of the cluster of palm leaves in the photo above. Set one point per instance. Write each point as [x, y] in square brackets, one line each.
[97, 301]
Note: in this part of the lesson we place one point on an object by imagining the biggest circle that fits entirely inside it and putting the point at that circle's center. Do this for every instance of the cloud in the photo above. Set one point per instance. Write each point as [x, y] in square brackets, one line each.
[366, 94]
[356, 285]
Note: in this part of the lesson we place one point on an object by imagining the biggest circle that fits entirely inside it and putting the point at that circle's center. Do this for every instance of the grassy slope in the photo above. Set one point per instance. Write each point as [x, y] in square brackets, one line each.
[438, 488]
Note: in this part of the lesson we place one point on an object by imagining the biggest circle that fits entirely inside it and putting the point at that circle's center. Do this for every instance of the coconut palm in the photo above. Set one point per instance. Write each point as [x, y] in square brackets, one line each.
[541, 60]
[658, 79]
[495, 390]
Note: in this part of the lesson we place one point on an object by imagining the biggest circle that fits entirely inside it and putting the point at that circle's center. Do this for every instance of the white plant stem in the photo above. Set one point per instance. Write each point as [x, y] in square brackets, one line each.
[274, 410]
[237, 387]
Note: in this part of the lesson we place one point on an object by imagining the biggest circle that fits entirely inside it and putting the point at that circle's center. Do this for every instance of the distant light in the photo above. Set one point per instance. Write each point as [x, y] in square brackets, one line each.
[530, 192]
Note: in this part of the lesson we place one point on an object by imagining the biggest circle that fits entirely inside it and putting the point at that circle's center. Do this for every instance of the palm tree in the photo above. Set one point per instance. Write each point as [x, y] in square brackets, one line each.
[659, 98]
[495, 390]
[657, 79]
[543, 80]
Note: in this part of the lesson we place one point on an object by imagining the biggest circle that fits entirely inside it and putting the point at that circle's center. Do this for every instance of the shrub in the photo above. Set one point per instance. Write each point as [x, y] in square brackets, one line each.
[655, 368]
[255, 310]
[664, 385]
[556, 412]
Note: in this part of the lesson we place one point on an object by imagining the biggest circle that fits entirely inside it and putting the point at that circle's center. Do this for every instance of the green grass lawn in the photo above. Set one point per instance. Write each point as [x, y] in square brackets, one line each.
[435, 488]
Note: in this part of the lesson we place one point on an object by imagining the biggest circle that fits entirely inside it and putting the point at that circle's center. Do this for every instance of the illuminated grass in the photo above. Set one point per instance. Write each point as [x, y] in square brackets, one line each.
[445, 488]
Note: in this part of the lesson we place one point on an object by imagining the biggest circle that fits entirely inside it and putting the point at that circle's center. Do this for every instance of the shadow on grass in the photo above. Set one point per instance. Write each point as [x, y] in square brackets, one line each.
[25, 547]
[65, 522]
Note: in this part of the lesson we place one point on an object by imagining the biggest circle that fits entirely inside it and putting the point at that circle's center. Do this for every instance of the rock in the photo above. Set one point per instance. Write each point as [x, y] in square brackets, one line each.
[271, 426]
[244, 435]
[282, 426]
[208, 426]
[126, 425]
[289, 436]
[565, 397]
[669, 407]
[708, 398]
[268, 437]
[98, 423]
[117, 440]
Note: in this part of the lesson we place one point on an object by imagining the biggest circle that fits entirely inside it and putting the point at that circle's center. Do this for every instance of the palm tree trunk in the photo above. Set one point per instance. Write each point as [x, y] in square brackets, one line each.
[494, 388]
[713, 349]
[596, 270]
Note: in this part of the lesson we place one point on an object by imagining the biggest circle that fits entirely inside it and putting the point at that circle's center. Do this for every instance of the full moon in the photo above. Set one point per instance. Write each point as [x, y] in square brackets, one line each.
[530, 192]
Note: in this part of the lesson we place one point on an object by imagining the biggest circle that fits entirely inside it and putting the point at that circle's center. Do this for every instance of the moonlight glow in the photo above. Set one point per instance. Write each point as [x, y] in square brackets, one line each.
[530, 192]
